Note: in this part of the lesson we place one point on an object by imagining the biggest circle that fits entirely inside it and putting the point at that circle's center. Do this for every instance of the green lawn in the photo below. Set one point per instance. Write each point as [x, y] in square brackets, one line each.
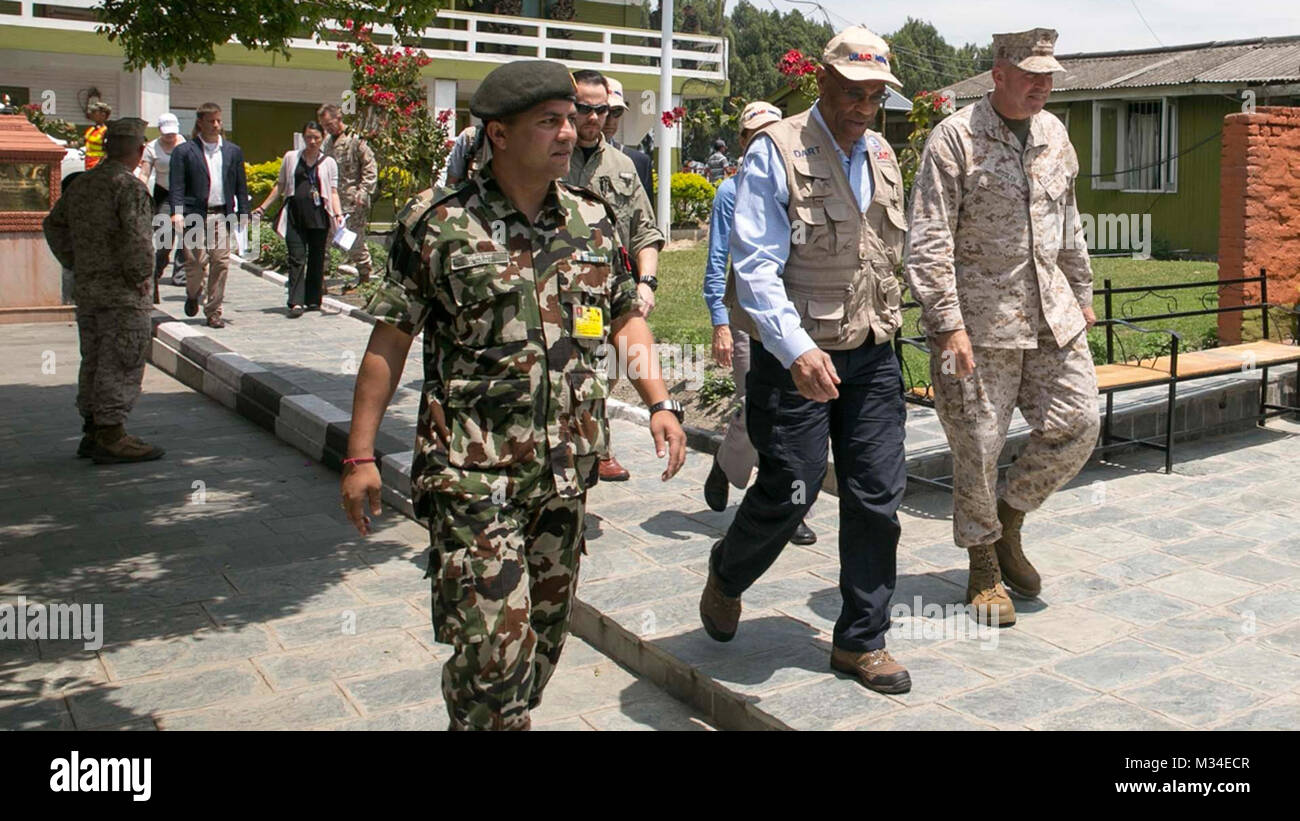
[680, 316]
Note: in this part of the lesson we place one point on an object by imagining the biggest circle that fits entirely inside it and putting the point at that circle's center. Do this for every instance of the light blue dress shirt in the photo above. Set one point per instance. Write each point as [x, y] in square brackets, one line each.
[715, 267]
[760, 239]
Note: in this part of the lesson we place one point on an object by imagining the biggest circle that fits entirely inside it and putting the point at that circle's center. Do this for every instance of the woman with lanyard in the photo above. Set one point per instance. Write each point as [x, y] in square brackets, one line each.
[157, 163]
[309, 216]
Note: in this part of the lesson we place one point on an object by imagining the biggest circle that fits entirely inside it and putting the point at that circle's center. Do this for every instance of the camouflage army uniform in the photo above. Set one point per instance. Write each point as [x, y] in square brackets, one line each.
[357, 176]
[996, 247]
[101, 229]
[610, 173]
[512, 421]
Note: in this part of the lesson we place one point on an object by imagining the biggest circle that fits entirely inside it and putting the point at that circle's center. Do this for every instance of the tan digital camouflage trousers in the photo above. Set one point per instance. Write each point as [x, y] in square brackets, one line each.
[359, 255]
[114, 347]
[501, 599]
[1056, 390]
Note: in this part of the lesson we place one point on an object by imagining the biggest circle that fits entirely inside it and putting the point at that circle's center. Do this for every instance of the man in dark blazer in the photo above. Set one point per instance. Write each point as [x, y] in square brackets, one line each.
[209, 196]
[640, 159]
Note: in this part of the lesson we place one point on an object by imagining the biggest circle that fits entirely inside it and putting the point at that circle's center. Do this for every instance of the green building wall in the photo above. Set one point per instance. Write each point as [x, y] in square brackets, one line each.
[1188, 219]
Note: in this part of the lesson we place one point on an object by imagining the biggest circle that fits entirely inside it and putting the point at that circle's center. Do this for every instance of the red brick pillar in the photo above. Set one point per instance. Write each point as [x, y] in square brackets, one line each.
[1259, 208]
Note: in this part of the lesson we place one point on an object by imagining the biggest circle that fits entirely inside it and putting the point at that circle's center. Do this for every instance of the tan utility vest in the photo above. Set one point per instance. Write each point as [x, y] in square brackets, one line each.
[840, 272]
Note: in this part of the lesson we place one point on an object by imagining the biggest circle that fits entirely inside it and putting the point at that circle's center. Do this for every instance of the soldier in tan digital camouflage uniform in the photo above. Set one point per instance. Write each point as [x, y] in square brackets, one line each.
[101, 229]
[519, 285]
[358, 174]
[611, 173]
[998, 262]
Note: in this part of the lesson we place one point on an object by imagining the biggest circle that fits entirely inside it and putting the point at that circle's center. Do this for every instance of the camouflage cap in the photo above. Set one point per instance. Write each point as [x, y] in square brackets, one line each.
[1028, 50]
[859, 55]
[519, 86]
[127, 129]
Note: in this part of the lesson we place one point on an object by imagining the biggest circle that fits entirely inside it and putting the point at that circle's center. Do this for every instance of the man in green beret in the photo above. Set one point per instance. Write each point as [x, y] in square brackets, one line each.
[520, 286]
[101, 229]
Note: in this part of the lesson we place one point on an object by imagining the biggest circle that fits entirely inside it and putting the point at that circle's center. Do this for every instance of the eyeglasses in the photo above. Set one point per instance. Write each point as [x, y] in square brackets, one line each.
[585, 109]
[615, 113]
[858, 94]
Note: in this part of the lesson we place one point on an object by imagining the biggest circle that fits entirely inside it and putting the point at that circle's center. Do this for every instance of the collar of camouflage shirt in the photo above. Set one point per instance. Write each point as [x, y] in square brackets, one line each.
[998, 130]
[553, 214]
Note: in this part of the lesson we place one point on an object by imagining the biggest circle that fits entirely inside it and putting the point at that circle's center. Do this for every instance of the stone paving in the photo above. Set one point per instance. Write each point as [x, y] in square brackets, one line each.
[1168, 601]
[234, 594]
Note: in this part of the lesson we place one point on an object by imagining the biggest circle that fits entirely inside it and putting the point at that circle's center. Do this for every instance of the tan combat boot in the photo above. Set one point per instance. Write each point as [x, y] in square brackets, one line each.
[113, 446]
[1017, 572]
[984, 590]
[719, 613]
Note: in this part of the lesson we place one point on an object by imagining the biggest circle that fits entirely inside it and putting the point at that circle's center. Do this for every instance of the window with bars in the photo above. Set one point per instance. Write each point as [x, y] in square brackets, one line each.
[1134, 143]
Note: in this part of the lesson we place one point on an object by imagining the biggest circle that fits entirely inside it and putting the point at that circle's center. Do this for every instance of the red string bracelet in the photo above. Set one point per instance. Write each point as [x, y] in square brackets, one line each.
[358, 460]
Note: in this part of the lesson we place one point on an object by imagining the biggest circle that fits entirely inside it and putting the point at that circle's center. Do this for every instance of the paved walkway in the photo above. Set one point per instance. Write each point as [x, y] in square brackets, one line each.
[234, 594]
[1170, 601]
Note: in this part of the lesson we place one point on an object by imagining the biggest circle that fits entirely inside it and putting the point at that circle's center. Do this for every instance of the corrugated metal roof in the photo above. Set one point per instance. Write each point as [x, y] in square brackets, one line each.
[1264, 60]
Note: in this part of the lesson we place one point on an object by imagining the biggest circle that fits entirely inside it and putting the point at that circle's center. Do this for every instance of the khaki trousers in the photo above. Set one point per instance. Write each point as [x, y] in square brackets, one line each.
[211, 255]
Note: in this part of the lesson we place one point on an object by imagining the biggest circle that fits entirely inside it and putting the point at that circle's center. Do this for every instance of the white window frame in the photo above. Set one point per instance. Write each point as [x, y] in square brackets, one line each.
[1168, 147]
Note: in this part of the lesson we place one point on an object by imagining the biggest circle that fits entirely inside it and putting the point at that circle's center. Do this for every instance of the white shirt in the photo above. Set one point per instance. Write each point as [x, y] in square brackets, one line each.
[161, 159]
[212, 152]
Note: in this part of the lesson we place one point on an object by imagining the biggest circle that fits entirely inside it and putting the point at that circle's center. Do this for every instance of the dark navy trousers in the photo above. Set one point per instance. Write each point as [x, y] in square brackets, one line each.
[865, 426]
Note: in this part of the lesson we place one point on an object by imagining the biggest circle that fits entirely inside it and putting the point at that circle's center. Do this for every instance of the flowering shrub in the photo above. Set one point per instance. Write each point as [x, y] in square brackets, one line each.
[411, 144]
[672, 118]
[928, 108]
[800, 73]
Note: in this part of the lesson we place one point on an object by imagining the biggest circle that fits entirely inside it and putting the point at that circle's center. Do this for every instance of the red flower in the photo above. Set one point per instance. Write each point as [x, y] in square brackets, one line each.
[443, 116]
[449, 144]
[370, 71]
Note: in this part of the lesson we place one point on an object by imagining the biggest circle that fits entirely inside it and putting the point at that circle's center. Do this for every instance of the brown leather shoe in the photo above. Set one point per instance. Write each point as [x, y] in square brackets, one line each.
[875, 669]
[215, 321]
[984, 589]
[719, 613]
[612, 471]
[1017, 572]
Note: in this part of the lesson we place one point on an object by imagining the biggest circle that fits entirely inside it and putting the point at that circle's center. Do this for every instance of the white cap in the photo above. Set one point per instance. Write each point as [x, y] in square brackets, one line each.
[859, 55]
[168, 124]
[616, 99]
[758, 114]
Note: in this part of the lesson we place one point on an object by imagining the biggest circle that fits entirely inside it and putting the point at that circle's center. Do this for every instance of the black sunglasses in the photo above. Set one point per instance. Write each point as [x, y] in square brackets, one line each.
[585, 109]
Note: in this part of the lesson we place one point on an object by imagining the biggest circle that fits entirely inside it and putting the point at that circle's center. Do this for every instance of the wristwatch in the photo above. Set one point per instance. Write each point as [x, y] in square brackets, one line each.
[669, 405]
[652, 281]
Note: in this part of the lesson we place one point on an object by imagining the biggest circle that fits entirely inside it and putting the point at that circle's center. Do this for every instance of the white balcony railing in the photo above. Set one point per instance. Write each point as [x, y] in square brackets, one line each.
[488, 38]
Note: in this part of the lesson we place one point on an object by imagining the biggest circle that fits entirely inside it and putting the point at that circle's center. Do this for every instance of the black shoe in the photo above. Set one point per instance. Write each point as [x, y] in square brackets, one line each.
[803, 535]
[715, 488]
[191, 307]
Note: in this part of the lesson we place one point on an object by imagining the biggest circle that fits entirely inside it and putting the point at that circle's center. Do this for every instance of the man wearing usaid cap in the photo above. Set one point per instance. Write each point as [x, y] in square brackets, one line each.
[734, 462]
[519, 284]
[998, 261]
[818, 234]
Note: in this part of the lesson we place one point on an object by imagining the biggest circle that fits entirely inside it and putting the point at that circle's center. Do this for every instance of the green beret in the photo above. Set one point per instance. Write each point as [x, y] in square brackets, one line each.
[519, 86]
[127, 129]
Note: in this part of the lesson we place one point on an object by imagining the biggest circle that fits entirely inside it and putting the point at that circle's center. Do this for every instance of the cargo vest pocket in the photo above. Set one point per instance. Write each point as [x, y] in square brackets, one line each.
[822, 310]
[844, 222]
[588, 427]
[491, 423]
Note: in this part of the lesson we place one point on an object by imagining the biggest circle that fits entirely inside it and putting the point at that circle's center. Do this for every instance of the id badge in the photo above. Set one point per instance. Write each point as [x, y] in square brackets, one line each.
[315, 198]
[588, 322]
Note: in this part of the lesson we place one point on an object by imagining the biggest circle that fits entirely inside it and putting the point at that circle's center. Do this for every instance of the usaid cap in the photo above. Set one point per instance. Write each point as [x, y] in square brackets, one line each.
[758, 114]
[859, 55]
[616, 99]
